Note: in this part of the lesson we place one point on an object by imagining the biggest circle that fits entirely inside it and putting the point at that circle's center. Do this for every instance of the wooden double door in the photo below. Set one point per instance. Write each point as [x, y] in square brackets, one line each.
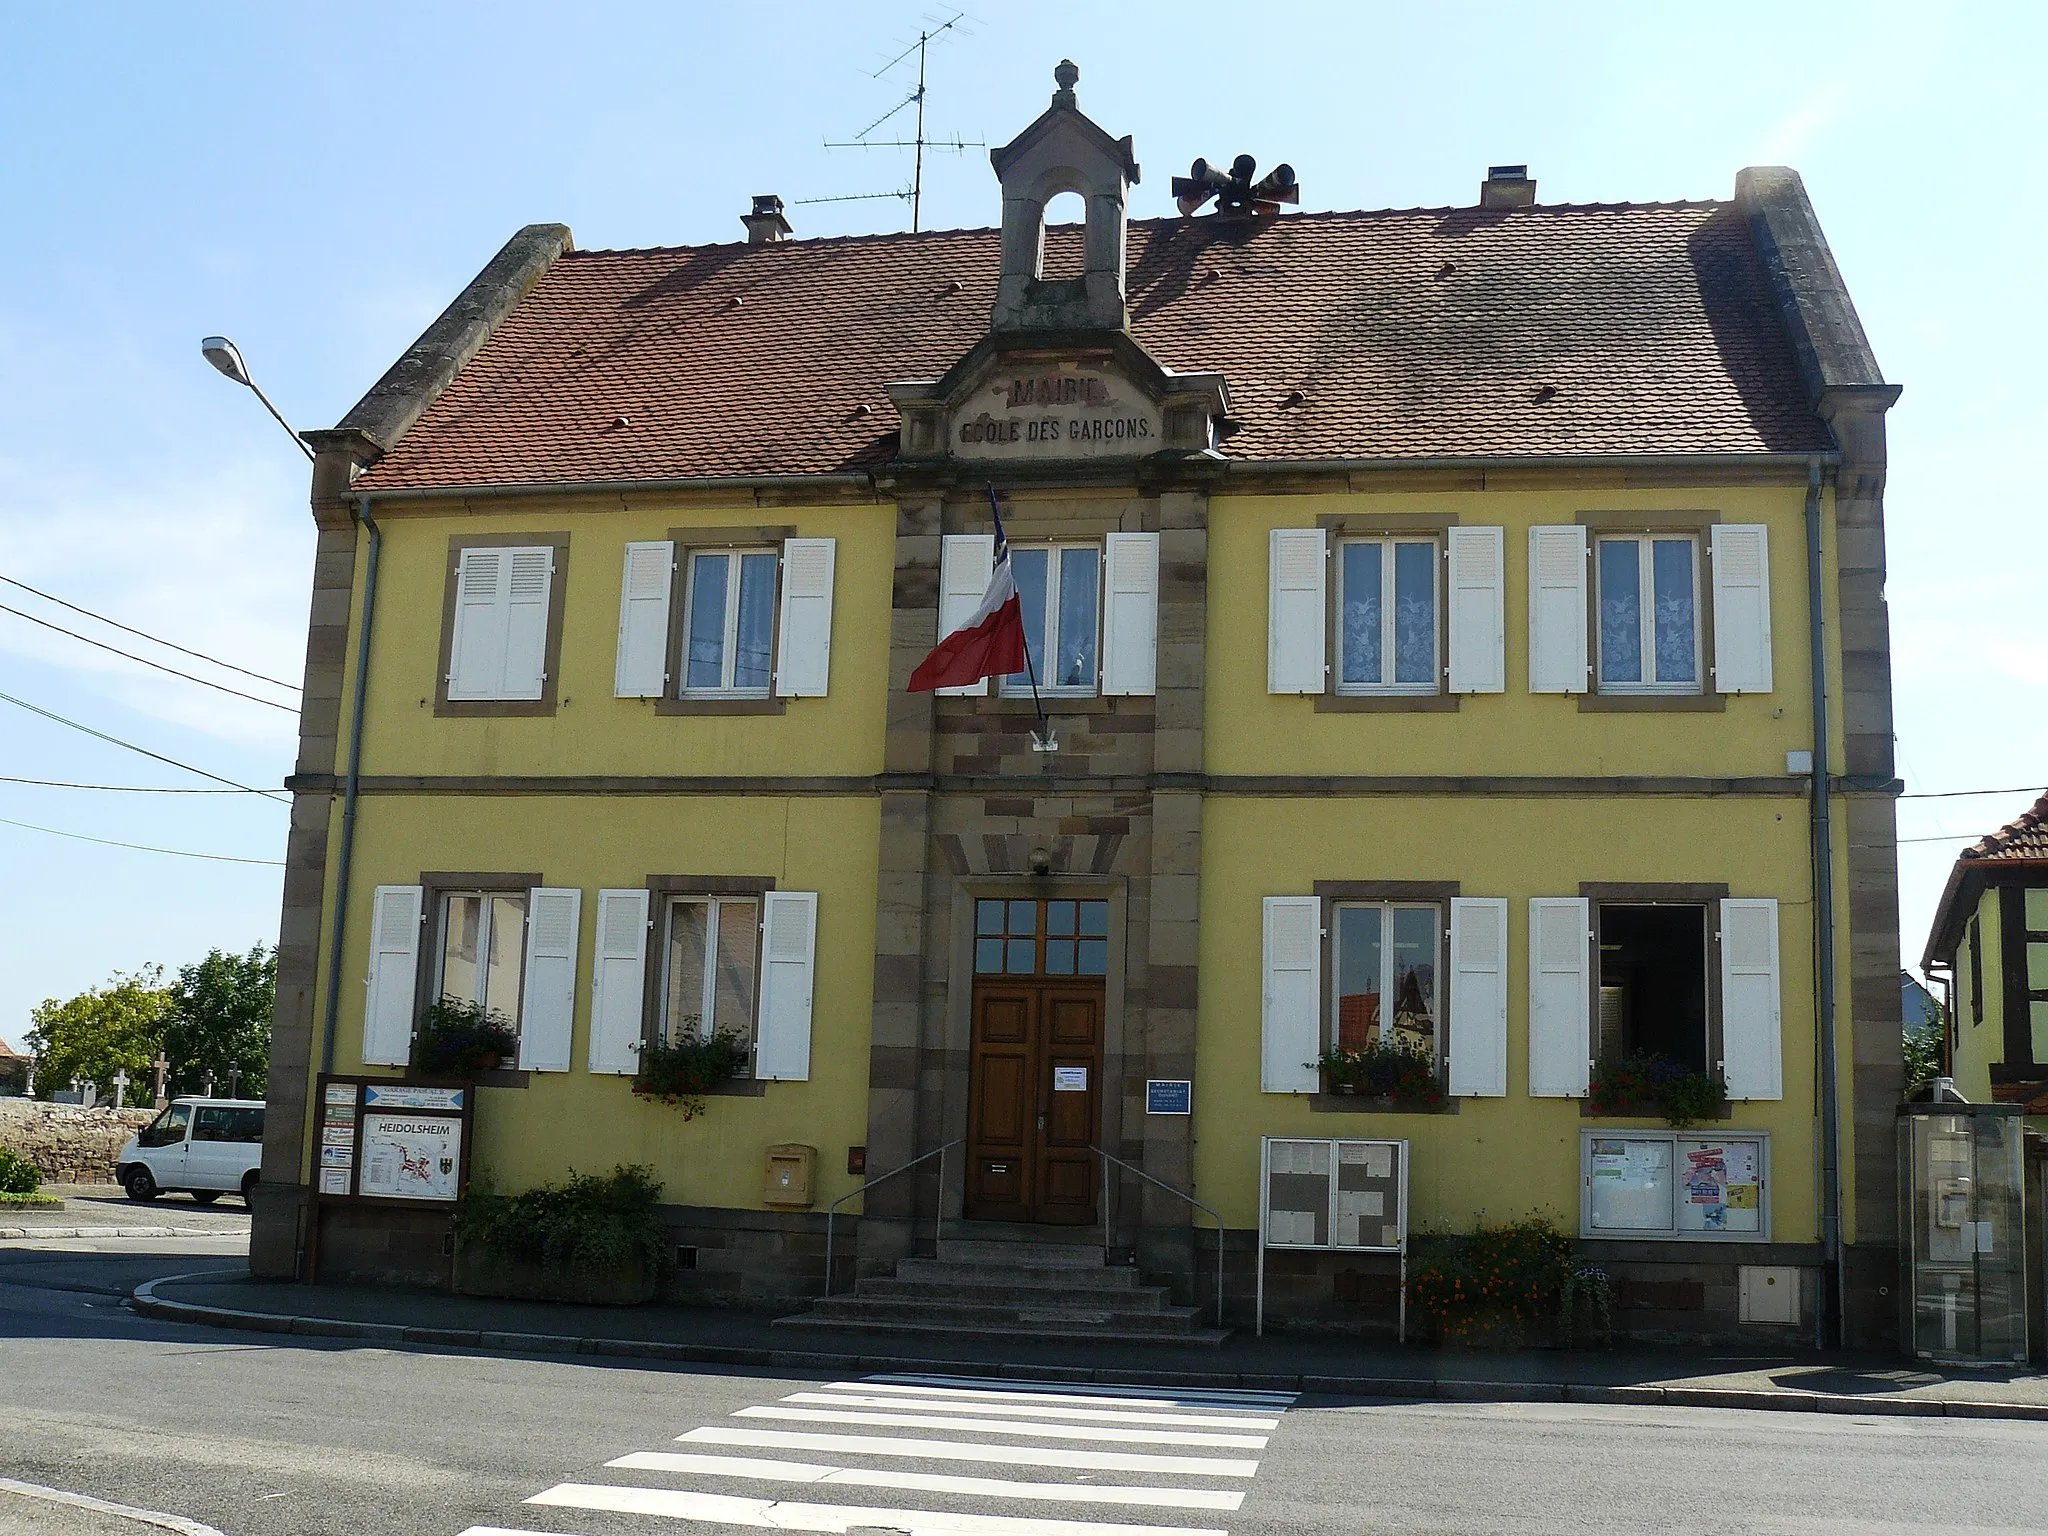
[1035, 1075]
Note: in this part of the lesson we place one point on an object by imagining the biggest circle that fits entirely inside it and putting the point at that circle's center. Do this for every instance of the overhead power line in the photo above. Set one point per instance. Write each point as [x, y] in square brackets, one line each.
[132, 789]
[144, 634]
[108, 842]
[1958, 794]
[37, 709]
[130, 655]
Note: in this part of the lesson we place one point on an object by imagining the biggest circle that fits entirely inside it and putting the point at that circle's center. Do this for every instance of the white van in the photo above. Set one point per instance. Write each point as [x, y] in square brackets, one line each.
[210, 1147]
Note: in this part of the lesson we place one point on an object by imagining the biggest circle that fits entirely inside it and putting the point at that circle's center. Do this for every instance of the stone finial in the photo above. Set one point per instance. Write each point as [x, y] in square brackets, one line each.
[1064, 76]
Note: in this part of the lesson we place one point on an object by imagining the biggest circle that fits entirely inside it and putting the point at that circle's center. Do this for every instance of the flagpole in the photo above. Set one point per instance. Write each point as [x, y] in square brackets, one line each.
[1049, 742]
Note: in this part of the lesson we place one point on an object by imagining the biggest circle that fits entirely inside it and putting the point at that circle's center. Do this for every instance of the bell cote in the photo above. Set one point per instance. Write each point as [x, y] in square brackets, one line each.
[1063, 152]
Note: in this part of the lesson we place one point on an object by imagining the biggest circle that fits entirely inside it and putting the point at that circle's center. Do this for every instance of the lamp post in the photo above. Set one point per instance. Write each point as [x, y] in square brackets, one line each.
[226, 357]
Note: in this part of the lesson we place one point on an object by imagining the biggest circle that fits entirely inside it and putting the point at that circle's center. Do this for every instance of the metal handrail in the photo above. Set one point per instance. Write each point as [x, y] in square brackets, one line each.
[832, 1210]
[1109, 1229]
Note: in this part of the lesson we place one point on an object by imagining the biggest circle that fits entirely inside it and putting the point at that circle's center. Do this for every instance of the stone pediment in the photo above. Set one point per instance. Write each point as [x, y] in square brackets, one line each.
[1049, 401]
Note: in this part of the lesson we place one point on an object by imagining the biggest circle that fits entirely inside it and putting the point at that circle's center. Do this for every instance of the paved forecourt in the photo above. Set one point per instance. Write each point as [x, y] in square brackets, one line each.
[947, 1455]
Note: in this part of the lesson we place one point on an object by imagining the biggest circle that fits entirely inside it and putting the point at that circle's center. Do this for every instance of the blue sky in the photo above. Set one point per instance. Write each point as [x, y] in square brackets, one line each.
[317, 184]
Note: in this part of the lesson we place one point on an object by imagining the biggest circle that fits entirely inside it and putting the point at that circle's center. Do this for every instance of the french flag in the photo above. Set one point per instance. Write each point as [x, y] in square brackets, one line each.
[991, 642]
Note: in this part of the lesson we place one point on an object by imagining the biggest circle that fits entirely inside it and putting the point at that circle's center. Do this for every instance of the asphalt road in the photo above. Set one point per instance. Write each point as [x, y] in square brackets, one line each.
[283, 1437]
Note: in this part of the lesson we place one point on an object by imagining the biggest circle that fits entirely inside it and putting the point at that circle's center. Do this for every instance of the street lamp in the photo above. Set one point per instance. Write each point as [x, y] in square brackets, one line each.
[222, 353]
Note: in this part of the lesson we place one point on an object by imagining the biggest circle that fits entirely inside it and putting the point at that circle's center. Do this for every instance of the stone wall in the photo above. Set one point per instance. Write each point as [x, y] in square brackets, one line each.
[67, 1144]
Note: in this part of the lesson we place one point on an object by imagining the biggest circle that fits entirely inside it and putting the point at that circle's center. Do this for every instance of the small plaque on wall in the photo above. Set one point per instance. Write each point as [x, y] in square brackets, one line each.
[1169, 1096]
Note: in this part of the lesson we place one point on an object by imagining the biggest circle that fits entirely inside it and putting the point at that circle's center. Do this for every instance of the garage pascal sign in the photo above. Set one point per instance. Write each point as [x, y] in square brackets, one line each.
[1064, 414]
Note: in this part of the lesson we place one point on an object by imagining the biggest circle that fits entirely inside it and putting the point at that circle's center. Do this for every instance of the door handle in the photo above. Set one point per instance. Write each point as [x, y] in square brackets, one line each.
[1041, 1120]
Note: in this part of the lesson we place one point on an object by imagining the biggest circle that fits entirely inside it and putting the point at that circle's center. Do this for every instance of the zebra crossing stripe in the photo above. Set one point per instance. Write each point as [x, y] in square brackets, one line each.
[1151, 1397]
[956, 1450]
[1027, 1410]
[783, 1515]
[766, 1470]
[1100, 1432]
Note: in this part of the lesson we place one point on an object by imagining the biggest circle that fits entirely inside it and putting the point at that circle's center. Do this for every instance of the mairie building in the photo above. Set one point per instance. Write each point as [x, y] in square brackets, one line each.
[1458, 640]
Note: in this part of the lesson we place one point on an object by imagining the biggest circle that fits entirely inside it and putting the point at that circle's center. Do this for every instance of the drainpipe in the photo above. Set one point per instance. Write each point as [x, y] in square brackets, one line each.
[348, 796]
[1828, 1321]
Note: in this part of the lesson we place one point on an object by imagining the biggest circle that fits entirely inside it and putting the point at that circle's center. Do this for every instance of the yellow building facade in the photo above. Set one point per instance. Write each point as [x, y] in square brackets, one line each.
[1437, 720]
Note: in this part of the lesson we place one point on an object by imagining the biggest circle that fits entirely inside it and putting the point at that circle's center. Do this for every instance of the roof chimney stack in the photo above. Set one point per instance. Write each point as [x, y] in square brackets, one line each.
[766, 225]
[1507, 186]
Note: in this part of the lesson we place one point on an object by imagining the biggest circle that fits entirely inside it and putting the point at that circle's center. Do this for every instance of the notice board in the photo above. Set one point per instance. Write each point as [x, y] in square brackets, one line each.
[1344, 1194]
[392, 1140]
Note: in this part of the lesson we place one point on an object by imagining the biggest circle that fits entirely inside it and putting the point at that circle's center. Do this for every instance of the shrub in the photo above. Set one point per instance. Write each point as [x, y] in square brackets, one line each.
[1645, 1082]
[18, 1176]
[1505, 1276]
[458, 1037]
[679, 1073]
[590, 1224]
[1393, 1069]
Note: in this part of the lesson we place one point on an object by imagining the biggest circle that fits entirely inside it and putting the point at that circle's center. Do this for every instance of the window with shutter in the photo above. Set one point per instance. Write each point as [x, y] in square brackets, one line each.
[1649, 628]
[642, 671]
[803, 661]
[1387, 616]
[618, 980]
[729, 623]
[1296, 583]
[389, 1001]
[966, 562]
[499, 626]
[1559, 1005]
[526, 623]
[1557, 609]
[712, 968]
[1741, 557]
[554, 914]
[1130, 626]
[789, 937]
[1059, 589]
[1752, 1048]
[476, 668]
[1291, 997]
[1479, 997]
[1476, 559]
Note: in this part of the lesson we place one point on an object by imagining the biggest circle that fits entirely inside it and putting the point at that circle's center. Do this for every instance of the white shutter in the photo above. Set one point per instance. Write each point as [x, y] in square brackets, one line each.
[1291, 1001]
[1479, 997]
[1741, 557]
[1557, 609]
[1130, 616]
[1752, 1046]
[966, 562]
[476, 651]
[618, 977]
[1560, 1001]
[526, 622]
[394, 973]
[547, 1009]
[643, 620]
[1476, 561]
[1297, 621]
[803, 651]
[789, 943]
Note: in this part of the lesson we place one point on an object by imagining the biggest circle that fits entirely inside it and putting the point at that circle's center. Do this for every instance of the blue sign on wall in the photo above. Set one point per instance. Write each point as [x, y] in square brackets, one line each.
[1174, 1096]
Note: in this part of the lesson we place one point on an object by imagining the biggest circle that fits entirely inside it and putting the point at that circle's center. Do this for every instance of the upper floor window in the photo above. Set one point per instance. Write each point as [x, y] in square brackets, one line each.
[501, 625]
[1649, 630]
[730, 623]
[1387, 607]
[1059, 587]
[725, 626]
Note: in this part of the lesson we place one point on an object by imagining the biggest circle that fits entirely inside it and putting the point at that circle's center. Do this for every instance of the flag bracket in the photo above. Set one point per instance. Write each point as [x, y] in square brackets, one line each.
[1047, 740]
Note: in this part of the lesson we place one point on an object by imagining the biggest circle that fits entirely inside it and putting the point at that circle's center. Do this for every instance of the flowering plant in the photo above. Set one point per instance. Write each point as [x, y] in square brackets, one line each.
[679, 1072]
[1393, 1069]
[1648, 1083]
[1503, 1276]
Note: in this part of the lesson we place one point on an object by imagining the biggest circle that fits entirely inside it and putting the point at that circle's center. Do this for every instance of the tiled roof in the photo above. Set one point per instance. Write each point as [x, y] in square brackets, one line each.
[2022, 841]
[1624, 329]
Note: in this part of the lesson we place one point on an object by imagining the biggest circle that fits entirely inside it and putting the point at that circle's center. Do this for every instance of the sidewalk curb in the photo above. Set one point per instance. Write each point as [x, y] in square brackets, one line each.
[15, 1234]
[146, 1302]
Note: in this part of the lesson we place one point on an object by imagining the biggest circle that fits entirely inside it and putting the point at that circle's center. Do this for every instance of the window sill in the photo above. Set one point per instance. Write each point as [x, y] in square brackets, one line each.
[1055, 704]
[1649, 1112]
[738, 1088]
[1373, 1104]
[768, 706]
[1386, 703]
[1651, 703]
[503, 709]
[503, 1077]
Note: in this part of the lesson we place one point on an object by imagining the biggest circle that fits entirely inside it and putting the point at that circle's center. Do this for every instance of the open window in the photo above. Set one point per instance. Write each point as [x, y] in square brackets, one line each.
[1654, 998]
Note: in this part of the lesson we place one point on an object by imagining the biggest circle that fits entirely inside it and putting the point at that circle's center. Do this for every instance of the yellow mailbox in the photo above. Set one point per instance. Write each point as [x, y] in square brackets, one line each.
[790, 1175]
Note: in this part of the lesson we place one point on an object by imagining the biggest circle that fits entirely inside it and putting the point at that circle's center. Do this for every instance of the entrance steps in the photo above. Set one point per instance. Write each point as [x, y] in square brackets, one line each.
[1011, 1281]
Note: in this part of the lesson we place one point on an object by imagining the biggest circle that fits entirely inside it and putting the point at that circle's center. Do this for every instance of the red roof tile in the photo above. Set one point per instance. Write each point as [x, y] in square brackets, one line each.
[1629, 329]
[2022, 841]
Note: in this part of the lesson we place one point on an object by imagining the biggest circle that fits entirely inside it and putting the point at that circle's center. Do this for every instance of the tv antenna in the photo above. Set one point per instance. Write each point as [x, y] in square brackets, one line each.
[933, 30]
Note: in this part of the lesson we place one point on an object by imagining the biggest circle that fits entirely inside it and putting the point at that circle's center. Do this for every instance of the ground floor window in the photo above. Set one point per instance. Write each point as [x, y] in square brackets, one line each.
[482, 949]
[1653, 983]
[1669, 1184]
[711, 974]
[1386, 976]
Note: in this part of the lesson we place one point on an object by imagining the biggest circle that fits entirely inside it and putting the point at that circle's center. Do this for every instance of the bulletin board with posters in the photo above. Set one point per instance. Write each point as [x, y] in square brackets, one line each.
[385, 1141]
[1335, 1195]
[1650, 1184]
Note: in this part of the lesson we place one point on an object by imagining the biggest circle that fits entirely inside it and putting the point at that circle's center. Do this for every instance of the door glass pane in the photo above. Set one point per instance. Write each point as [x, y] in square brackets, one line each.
[689, 924]
[706, 664]
[1023, 917]
[507, 950]
[754, 641]
[173, 1125]
[1094, 960]
[1414, 613]
[1059, 918]
[1415, 977]
[2037, 966]
[1361, 638]
[461, 947]
[2037, 911]
[988, 917]
[732, 1000]
[1023, 959]
[1358, 977]
[1059, 957]
[1621, 618]
[1095, 917]
[1027, 569]
[988, 956]
[1677, 652]
[1079, 591]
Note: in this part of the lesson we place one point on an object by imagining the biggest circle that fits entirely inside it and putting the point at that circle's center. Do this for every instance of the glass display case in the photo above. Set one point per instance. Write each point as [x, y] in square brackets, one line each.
[1965, 1245]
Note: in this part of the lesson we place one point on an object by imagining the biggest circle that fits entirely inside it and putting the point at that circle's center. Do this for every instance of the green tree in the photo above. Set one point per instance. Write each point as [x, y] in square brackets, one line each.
[219, 1023]
[1922, 1049]
[99, 1032]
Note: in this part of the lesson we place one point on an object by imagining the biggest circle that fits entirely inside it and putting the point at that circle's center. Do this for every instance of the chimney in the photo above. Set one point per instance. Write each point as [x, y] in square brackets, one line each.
[1507, 186]
[766, 225]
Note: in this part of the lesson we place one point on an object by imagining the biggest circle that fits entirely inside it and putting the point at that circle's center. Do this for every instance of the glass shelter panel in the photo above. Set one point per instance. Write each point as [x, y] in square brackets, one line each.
[1960, 1171]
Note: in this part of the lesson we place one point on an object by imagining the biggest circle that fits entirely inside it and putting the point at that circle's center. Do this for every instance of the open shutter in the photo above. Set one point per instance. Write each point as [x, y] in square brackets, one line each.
[547, 1013]
[1752, 1045]
[1479, 997]
[803, 651]
[643, 620]
[966, 562]
[1476, 562]
[476, 652]
[1560, 998]
[531, 575]
[1557, 609]
[1290, 1006]
[1130, 616]
[789, 943]
[618, 977]
[394, 972]
[1296, 618]
[1741, 557]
